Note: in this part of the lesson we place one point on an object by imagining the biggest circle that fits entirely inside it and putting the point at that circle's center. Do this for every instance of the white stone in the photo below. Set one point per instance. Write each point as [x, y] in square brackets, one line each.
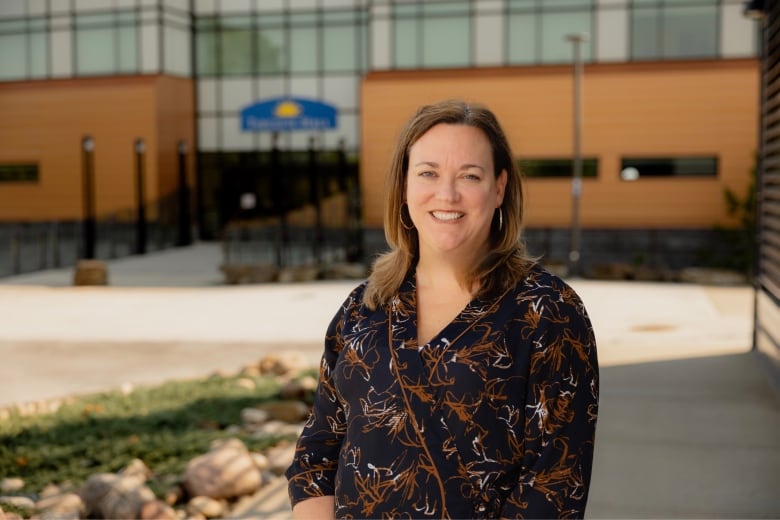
[226, 471]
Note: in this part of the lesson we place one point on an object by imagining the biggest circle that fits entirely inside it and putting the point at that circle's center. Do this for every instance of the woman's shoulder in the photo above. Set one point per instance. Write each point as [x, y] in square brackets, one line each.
[541, 284]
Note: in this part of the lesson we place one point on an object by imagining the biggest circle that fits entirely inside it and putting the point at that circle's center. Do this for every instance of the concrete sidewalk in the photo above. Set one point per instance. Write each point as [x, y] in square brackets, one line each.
[688, 422]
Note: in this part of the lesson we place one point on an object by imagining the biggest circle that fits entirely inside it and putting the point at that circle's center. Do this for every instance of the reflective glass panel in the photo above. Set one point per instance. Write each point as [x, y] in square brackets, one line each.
[235, 46]
[446, 42]
[405, 44]
[303, 49]
[522, 38]
[340, 48]
[555, 27]
[270, 51]
[690, 31]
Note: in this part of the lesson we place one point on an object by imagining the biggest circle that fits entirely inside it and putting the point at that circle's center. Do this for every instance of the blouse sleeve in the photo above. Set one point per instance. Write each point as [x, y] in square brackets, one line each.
[560, 414]
[314, 465]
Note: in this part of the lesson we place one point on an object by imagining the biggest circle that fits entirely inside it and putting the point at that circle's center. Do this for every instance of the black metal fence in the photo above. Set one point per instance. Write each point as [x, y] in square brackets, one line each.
[33, 246]
[308, 236]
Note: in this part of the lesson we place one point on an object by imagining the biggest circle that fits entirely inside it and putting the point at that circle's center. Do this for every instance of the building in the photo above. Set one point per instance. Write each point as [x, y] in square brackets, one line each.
[766, 338]
[669, 91]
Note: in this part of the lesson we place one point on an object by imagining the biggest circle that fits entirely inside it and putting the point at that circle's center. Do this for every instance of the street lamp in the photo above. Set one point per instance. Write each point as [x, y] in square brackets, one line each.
[88, 171]
[576, 40]
[140, 223]
[185, 231]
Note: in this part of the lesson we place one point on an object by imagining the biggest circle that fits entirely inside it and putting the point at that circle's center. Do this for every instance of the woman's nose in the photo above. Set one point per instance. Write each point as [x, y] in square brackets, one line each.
[447, 190]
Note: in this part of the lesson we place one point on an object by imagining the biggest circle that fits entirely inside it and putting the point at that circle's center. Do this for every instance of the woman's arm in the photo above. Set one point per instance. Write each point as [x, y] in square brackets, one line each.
[317, 508]
[560, 420]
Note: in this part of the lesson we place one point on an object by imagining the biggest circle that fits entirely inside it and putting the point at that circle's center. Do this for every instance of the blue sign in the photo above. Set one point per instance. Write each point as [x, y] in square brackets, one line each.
[285, 114]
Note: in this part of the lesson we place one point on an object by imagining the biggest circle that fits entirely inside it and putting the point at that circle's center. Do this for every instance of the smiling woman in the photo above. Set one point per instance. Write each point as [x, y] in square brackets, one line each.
[460, 380]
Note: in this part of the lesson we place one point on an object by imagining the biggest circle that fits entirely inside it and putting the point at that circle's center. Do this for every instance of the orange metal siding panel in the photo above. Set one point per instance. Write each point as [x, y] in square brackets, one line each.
[661, 109]
[45, 122]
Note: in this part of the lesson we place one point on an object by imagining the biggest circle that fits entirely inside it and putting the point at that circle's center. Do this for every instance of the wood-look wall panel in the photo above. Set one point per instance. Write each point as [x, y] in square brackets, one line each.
[45, 121]
[652, 109]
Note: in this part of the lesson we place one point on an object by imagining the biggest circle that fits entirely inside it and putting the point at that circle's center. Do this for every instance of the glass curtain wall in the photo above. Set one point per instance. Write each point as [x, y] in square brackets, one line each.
[95, 40]
[246, 57]
[432, 34]
[24, 48]
[674, 29]
[537, 30]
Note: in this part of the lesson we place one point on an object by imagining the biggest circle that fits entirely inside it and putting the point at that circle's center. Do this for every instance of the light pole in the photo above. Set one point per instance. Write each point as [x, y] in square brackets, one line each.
[185, 231]
[140, 223]
[576, 184]
[88, 167]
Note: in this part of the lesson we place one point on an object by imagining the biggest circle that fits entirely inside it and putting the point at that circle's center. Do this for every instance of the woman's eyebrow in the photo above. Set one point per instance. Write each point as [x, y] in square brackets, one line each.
[466, 166]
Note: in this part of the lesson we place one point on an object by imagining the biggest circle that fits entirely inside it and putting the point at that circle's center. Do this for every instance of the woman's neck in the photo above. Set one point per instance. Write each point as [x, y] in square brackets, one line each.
[442, 274]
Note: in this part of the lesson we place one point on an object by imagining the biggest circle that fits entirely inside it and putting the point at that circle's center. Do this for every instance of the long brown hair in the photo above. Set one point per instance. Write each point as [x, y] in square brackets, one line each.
[506, 263]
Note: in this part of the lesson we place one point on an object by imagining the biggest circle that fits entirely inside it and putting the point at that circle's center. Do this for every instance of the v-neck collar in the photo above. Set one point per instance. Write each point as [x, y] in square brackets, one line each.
[403, 316]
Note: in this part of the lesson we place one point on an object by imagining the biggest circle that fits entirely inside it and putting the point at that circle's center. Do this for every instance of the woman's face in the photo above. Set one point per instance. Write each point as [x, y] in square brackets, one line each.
[452, 191]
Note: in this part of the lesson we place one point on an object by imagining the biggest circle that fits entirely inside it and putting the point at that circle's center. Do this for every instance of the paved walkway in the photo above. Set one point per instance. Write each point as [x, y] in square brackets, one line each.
[688, 421]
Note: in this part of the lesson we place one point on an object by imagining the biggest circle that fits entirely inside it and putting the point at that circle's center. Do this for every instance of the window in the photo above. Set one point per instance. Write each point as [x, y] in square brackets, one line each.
[106, 43]
[432, 34]
[24, 45]
[235, 44]
[683, 29]
[304, 43]
[635, 168]
[206, 46]
[547, 168]
[18, 173]
[537, 30]
[340, 42]
[270, 45]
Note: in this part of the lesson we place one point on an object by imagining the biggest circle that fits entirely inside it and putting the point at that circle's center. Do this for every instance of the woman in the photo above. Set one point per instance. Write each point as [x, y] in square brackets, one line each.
[460, 380]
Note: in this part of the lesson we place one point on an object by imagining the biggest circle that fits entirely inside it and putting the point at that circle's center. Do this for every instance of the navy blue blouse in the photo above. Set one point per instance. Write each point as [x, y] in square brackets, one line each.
[496, 416]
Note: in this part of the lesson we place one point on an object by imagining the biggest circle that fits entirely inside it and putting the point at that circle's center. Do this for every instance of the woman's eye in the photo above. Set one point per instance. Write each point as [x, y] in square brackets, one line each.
[472, 176]
[426, 174]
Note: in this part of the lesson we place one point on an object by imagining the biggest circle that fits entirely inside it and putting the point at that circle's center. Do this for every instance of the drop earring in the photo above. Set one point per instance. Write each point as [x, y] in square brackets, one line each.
[406, 226]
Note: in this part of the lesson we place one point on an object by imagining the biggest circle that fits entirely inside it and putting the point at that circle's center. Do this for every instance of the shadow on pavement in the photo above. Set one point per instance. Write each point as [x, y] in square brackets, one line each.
[692, 437]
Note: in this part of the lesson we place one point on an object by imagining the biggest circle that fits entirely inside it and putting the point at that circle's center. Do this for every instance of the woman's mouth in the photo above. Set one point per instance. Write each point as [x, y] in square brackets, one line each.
[447, 215]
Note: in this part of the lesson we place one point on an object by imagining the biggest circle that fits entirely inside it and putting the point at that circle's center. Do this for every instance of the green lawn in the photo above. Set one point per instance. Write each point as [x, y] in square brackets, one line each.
[165, 426]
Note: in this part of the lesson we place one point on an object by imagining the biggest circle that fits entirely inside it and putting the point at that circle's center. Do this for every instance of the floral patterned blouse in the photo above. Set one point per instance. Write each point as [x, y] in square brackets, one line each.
[495, 416]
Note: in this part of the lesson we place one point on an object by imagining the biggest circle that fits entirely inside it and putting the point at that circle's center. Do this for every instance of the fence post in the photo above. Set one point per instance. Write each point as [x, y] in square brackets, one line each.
[55, 244]
[16, 261]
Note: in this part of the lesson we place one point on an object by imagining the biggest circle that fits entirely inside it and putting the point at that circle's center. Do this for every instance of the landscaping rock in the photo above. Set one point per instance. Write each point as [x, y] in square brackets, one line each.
[707, 276]
[226, 471]
[261, 461]
[158, 510]
[345, 271]
[299, 389]
[137, 468]
[109, 495]
[277, 429]
[280, 457]
[173, 495]
[17, 501]
[90, 272]
[11, 485]
[205, 506]
[301, 273]
[282, 365]
[287, 411]
[67, 506]
[50, 490]
[254, 416]
[247, 383]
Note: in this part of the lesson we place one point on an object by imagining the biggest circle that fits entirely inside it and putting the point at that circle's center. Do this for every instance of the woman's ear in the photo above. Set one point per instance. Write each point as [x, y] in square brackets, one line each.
[501, 181]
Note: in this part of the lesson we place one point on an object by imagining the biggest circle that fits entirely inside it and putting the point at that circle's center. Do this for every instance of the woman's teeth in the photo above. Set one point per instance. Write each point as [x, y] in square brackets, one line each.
[447, 215]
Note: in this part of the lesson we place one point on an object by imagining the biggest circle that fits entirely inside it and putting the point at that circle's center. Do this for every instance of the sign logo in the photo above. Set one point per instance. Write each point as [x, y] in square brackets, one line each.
[287, 114]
